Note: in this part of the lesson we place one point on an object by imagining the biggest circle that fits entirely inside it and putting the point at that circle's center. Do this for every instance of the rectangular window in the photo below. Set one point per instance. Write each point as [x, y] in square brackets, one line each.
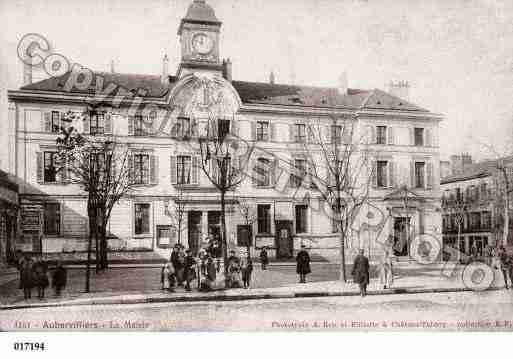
[301, 218]
[262, 131]
[183, 169]
[486, 220]
[381, 173]
[223, 128]
[419, 174]
[183, 127]
[56, 121]
[50, 167]
[142, 218]
[141, 168]
[264, 218]
[381, 135]
[142, 126]
[52, 218]
[300, 172]
[263, 172]
[336, 134]
[97, 124]
[300, 132]
[419, 136]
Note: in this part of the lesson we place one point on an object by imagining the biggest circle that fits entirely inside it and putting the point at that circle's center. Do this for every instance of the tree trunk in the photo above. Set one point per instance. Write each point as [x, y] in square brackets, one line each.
[458, 239]
[96, 241]
[342, 272]
[104, 263]
[505, 230]
[224, 241]
[89, 250]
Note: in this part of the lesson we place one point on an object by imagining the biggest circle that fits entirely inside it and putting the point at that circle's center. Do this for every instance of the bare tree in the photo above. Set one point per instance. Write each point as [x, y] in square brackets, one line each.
[101, 167]
[249, 216]
[177, 212]
[339, 168]
[223, 165]
[457, 207]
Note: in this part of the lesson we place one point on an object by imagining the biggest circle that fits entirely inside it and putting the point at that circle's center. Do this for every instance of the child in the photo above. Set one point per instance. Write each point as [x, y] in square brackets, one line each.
[167, 277]
[264, 259]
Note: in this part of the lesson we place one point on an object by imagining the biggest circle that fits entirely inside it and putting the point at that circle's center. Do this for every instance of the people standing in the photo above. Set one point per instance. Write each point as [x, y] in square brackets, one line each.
[303, 264]
[26, 275]
[247, 269]
[178, 261]
[189, 269]
[505, 264]
[264, 259]
[386, 274]
[208, 273]
[59, 278]
[40, 272]
[360, 272]
[234, 270]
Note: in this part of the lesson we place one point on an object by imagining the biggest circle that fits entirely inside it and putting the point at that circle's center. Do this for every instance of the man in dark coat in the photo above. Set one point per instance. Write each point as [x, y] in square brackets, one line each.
[59, 278]
[264, 259]
[26, 275]
[177, 259]
[40, 273]
[360, 272]
[303, 264]
[189, 269]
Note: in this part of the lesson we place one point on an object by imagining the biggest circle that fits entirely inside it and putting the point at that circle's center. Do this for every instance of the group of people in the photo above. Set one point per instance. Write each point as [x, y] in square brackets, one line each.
[180, 269]
[34, 274]
[504, 262]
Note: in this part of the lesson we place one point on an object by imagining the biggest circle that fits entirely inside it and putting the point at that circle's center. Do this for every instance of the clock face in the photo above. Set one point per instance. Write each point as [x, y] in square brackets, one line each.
[202, 43]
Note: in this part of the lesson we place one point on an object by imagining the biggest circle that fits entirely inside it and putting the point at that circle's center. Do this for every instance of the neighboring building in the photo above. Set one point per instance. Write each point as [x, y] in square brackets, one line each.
[273, 116]
[8, 218]
[472, 192]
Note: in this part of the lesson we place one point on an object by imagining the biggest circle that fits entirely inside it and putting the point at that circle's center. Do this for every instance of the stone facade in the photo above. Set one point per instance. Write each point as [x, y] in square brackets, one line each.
[396, 132]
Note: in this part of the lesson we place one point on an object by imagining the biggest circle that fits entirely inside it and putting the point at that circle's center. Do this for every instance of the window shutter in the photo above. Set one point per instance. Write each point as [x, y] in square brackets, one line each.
[253, 131]
[346, 134]
[195, 172]
[291, 133]
[412, 136]
[391, 174]
[234, 128]
[412, 174]
[194, 128]
[172, 166]
[255, 172]
[371, 132]
[40, 167]
[429, 180]
[374, 174]
[131, 169]
[47, 126]
[274, 170]
[272, 127]
[153, 169]
[130, 125]
[429, 138]
[390, 133]
[86, 123]
[108, 123]
[310, 133]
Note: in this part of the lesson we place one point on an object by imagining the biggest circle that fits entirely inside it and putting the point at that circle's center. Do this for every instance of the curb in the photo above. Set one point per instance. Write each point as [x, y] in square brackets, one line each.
[236, 297]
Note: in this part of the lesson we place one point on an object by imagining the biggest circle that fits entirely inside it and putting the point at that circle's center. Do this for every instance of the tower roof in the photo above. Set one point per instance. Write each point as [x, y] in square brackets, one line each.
[200, 11]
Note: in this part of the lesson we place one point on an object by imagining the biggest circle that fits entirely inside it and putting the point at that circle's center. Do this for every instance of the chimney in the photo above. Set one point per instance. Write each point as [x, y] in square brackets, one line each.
[227, 69]
[399, 89]
[342, 83]
[112, 67]
[164, 78]
[272, 78]
[460, 163]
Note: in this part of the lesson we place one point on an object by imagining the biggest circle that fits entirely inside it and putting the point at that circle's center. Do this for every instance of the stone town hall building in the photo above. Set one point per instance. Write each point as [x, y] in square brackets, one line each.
[403, 137]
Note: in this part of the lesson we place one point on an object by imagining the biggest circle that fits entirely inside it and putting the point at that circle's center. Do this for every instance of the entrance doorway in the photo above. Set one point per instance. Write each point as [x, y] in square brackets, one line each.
[284, 240]
[194, 231]
[401, 238]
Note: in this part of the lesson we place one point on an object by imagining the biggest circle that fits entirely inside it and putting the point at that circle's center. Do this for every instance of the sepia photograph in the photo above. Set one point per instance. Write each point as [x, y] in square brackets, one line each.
[255, 166]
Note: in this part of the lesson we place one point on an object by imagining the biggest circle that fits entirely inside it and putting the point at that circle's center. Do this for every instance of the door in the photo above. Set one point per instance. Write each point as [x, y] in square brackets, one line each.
[401, 240]
[194, 231]
[284, 240]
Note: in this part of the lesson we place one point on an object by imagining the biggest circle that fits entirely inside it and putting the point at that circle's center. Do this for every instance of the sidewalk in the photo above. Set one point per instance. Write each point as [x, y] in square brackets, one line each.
[402, 285]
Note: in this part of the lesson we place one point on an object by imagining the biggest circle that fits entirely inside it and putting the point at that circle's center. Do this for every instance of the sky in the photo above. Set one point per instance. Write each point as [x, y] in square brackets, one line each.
[457, 55]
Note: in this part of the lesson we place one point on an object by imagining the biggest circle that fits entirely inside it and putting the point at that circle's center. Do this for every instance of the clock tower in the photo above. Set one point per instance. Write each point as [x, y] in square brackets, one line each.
[199, 39]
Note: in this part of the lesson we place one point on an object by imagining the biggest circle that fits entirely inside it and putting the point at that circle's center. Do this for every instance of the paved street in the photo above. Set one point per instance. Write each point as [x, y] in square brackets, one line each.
[465, 310]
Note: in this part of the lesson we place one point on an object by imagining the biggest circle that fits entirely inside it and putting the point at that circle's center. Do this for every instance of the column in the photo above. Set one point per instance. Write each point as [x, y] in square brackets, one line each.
[204, 226]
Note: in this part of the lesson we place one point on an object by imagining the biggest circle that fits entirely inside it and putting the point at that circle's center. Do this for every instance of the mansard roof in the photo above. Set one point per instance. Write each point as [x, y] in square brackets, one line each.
[479, 170]
[250, 92]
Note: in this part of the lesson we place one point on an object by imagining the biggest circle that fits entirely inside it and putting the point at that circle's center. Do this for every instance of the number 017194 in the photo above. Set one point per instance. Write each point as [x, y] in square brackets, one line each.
[29, 346]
